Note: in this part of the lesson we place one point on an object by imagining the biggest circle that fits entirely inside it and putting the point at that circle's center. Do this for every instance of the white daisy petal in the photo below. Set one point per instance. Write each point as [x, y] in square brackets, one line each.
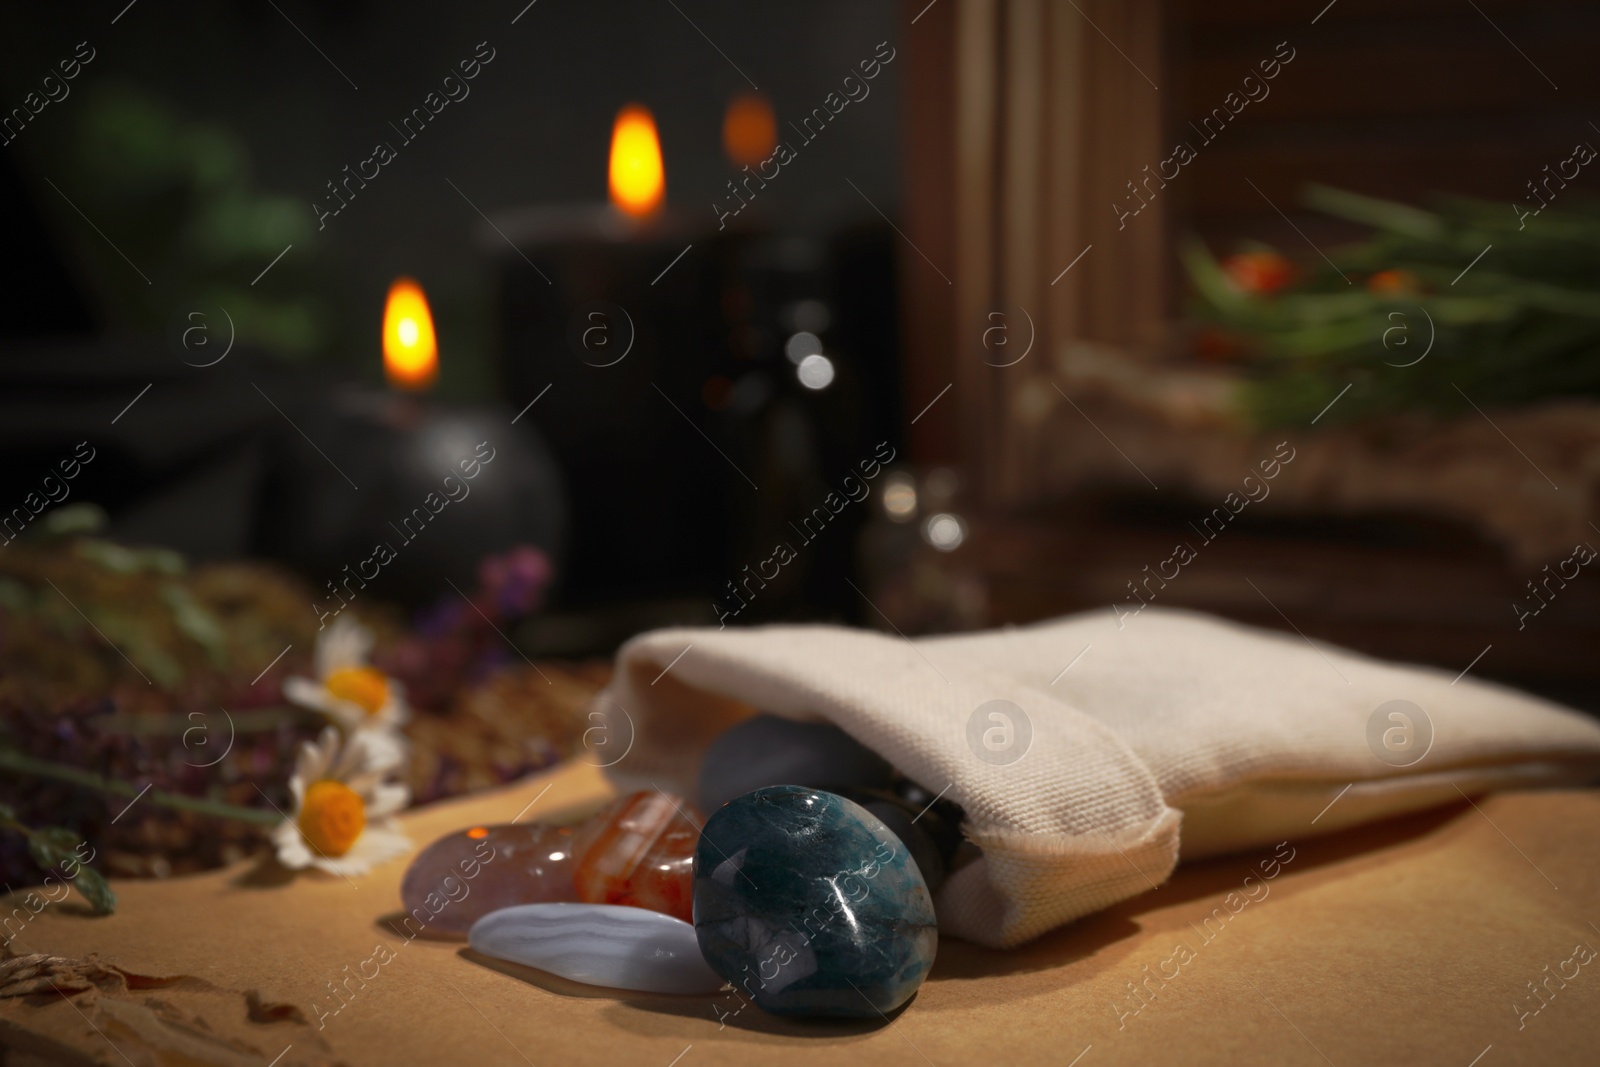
[380, 845]
[348, 865]
[291, 847]
[395, 710]
[328, 750]
[385, 718]
[350, 715]
[374, 749]
[344, 644]
[303, 691]
[309, 761]
[304, 756]
[384, 750]
[317, 698]
[364, 782]
[350, 758]
[388, 799]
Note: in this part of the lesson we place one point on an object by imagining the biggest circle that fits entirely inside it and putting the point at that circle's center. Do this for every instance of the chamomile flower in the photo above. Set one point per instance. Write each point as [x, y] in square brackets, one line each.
[349, 690]
[343, 820]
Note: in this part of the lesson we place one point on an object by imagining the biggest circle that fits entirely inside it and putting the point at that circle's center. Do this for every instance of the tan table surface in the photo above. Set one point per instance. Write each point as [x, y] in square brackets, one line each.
[1408, 942]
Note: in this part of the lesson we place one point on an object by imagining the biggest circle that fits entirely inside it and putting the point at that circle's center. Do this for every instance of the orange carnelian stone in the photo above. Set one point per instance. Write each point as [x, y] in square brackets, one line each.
[639, 852]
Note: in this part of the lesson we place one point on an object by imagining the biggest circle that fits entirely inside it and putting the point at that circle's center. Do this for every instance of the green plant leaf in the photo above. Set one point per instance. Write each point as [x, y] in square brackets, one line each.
[1384, 214]
[53, 846]
[198, 624]
[92, 884]
[1210, 279]
[71, 520]
[1521, 326]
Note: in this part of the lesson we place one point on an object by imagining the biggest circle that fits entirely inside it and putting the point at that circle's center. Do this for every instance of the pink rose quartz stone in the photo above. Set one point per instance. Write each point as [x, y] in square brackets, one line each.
[464, 876]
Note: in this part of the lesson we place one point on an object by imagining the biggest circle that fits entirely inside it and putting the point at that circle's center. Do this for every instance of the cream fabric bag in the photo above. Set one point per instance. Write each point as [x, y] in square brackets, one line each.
[1175, 734]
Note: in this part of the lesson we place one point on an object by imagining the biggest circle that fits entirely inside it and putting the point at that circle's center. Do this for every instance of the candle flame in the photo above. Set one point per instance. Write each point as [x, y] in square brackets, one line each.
[749, 129]
[410, 352]
[638, 182]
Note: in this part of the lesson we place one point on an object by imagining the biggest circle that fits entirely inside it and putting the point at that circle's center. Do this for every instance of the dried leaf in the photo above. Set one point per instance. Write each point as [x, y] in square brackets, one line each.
[263, 1011]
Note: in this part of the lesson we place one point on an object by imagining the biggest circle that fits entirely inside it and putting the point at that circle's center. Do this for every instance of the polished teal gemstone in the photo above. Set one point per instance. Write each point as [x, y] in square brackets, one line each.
[809, 905]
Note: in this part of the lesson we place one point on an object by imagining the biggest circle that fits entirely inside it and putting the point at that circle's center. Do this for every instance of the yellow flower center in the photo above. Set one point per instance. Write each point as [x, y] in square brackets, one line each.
[332, 817]
[365, 687]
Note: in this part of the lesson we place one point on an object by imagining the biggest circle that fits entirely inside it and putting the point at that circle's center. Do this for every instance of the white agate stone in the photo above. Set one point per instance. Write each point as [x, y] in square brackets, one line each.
[601, 944]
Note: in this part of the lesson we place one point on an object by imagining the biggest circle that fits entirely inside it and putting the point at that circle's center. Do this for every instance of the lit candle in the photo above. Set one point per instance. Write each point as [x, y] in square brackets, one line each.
[749, 130]
[637, 180]
[410, 352]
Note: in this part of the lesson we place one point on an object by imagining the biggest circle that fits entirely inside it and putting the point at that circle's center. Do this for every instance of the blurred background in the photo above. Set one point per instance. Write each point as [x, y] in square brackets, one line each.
[922, 316]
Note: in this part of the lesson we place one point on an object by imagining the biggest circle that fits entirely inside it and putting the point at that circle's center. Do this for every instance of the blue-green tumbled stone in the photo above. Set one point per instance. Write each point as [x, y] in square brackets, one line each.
[811, 906]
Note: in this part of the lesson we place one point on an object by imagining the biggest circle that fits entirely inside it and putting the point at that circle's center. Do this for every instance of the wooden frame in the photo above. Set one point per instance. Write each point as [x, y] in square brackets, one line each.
[1041, 125]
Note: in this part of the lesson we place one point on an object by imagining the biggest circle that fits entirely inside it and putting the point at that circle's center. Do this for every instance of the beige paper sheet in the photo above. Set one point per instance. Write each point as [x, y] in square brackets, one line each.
[1411, 941]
